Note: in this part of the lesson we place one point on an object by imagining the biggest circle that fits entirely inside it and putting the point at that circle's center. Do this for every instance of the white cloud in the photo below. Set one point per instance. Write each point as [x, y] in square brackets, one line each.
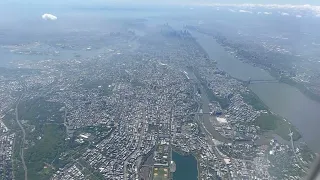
[49, 17]
[284, 14]
[298, 16]
[266, 13]
[307, 7]
[245, 11]
[231, 10]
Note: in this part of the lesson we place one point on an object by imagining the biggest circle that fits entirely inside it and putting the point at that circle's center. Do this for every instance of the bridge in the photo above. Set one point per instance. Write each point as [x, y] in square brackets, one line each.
[199, 113]
[258, 81]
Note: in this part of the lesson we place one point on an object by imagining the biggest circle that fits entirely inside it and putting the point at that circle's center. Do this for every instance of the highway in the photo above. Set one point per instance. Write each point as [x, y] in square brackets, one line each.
[23, 140]
[137, 149]
[294, 152]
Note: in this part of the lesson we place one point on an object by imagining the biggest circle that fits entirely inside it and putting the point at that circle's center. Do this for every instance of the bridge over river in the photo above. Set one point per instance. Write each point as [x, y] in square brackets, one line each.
[256, 81]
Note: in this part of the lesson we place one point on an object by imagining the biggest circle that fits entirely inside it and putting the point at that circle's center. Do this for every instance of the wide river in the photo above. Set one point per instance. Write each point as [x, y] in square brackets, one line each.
[282, 99]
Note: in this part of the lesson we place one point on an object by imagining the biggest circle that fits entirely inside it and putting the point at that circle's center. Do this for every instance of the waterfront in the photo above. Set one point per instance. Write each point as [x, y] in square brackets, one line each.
[186, 167]
[282, 99]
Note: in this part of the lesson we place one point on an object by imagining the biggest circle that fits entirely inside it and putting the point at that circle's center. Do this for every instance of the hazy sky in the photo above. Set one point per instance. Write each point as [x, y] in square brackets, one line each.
[128, 2]
[14, 6]
[315, 2]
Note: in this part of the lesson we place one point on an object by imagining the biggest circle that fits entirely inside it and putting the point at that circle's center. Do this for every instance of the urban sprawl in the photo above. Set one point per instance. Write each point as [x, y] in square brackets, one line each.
[116, 105]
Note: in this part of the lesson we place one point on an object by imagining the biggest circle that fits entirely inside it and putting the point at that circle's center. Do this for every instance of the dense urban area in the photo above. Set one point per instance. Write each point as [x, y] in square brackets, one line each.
[115, 105]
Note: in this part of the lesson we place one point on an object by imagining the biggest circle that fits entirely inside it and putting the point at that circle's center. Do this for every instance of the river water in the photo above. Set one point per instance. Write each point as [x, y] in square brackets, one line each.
[282, 99]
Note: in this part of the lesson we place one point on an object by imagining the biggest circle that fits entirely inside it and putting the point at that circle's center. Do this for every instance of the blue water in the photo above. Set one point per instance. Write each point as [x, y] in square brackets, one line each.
[186, 167]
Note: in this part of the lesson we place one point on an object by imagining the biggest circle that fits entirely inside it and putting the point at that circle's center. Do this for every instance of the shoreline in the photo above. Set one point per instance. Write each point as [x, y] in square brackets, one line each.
[279, 118]
[271, 71]
[303, 89]
[284, 124]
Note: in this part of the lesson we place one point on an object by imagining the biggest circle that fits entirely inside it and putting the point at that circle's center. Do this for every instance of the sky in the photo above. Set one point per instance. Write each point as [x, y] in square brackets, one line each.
[150, 2]
[45, 6]
[313, 2]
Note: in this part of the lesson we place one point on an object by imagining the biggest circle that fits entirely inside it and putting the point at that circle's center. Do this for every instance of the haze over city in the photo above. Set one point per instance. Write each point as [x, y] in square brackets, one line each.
[159, 90]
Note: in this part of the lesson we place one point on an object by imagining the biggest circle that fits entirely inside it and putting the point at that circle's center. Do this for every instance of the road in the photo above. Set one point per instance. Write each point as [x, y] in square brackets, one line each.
[295, 154]
[137, 149]
[23, 140]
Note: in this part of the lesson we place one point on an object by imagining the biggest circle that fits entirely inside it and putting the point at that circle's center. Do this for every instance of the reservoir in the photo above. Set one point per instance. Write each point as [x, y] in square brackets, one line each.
[186, 167]
[285, 100]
